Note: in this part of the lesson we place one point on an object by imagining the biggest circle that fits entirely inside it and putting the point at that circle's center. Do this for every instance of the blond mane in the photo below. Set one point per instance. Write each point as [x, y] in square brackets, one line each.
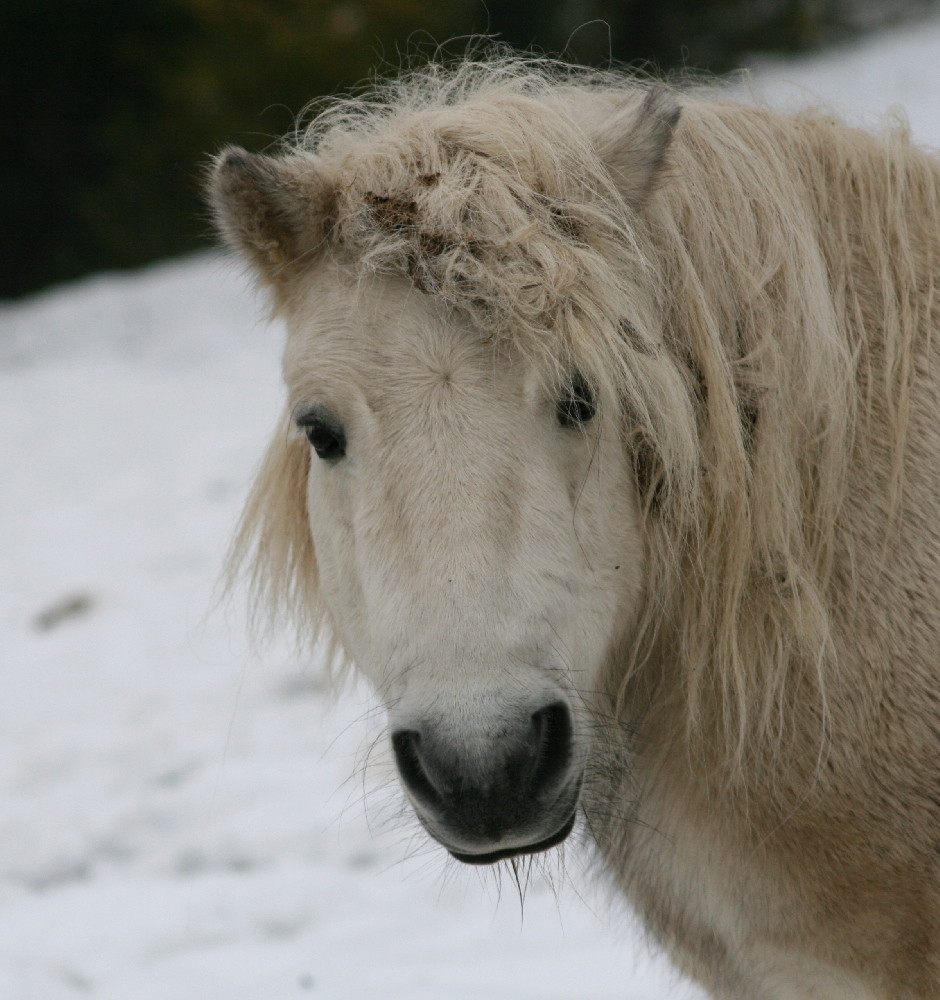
[747, 319]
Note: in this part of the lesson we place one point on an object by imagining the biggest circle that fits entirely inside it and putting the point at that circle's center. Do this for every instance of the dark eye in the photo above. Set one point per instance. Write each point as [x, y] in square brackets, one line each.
[577, 404]
[325, 434]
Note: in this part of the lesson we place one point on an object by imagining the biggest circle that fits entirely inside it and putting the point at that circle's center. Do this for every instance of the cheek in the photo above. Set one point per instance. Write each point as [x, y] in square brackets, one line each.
[607, 510]
[331, 526]
[363, 565]
[611, 545]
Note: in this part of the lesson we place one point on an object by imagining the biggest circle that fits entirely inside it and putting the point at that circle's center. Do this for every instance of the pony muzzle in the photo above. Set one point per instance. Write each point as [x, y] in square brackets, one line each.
[519, 797]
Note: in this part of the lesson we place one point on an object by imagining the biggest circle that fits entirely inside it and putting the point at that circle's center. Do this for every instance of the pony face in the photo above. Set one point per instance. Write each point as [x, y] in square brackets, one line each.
[474, 352]
[472, 562]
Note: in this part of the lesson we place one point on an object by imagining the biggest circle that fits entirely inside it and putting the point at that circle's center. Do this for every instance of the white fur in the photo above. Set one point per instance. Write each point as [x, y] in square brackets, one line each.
[468, 548]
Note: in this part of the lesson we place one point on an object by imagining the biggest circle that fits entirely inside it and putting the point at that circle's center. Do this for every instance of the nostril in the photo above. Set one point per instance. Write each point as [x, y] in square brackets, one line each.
[406, 745]
[552, 731]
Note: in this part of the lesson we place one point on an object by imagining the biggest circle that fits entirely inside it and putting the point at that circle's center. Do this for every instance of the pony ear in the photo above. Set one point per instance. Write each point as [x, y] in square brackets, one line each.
[633, 143]
[274, 210]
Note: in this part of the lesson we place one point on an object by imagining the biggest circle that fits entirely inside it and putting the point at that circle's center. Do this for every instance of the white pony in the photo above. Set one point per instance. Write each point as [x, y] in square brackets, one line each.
[612, 459]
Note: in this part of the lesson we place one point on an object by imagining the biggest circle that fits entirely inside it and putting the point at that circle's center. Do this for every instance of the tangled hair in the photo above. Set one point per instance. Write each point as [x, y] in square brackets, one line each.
[746, 285]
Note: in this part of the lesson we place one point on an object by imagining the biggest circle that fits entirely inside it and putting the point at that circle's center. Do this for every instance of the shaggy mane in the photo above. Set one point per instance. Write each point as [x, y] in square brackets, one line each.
[747, 318]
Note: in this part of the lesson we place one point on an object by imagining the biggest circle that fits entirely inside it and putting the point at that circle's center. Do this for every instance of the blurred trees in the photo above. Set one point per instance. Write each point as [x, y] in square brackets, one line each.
[712, 35]
[110, 107]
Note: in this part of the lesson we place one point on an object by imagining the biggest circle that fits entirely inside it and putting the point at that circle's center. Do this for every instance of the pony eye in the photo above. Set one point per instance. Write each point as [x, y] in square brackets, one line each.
[325, 435]
[577, 404]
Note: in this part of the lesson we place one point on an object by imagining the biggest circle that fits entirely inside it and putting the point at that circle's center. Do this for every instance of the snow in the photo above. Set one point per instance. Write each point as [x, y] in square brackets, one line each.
[184, 818]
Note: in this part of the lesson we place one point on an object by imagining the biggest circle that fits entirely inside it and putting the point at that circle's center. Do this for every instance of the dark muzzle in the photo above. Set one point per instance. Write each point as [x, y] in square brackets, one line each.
[517, 799]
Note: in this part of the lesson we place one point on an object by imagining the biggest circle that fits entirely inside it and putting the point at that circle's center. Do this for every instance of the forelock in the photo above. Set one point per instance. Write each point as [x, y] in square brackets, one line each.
[484, 189]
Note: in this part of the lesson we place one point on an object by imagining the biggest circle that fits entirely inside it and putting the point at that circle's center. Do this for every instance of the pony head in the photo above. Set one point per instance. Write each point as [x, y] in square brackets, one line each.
[454, 494]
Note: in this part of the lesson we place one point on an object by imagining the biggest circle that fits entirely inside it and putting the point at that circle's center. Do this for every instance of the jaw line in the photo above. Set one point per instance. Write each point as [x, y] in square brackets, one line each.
[511, 852]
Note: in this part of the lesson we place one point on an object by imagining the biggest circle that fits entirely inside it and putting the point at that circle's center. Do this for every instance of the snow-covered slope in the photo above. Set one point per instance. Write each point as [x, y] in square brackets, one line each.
[185, 820]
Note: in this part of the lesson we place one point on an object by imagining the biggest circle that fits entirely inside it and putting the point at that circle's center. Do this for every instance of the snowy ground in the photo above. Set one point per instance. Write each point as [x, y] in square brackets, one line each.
[182, 819]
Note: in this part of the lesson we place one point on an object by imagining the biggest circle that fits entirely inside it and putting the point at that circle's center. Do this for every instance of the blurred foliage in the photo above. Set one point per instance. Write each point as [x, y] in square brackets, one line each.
[112, 105]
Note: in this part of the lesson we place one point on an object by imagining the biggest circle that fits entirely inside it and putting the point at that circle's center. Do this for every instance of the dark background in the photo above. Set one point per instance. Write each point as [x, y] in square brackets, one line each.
[110, 107]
